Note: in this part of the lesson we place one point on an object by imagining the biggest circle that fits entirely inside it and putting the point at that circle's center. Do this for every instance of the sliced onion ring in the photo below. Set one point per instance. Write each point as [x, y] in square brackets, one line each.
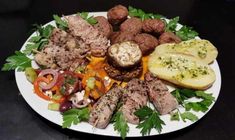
[55, 75]
[80, 104]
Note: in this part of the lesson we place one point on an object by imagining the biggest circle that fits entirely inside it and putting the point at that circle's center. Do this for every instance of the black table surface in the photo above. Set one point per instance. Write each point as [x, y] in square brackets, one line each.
[213, 20]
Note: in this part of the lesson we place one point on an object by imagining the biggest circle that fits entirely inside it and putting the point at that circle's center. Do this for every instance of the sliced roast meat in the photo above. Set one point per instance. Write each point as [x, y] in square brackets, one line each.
[103, 26]
[159, 95]
[102, 111]
[85, 32]
[63, 51]
[169, 37]
[134, 98]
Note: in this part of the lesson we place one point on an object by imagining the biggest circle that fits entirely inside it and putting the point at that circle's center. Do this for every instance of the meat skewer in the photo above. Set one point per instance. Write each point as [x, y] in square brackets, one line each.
[159, 95]
[134, 98]
[102, 111]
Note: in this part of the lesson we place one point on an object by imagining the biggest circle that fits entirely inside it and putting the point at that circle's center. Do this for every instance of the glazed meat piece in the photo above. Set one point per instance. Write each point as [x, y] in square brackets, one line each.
[122, 36]
[63, 51]
[117, 14]
[169, 37]
[159, 95]
[146, 42]
[133, 25]
[102, 111]
[124, 55]
[123, 74]
[103, 26]
[135, 97]
[85, 32]
[153, 25]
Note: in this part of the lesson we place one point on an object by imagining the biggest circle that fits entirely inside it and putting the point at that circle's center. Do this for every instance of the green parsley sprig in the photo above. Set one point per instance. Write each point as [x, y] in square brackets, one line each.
[149, 119]
[90, 19]
[120, 124]
[18, 61]
[36, 43]
[134, 12]
[75, 116]
[182, 96]
[60, 23]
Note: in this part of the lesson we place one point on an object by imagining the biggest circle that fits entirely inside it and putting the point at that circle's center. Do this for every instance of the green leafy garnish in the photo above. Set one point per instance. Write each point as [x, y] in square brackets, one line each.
[172, 24]
[91, 20]
[186, 33]
[74, 116]
[182, 95]
[38, 42]
[133, 12]
[175, 116]
[18, 61]
[188, 115]
[60, 23]
[120, 124]
[150, 119]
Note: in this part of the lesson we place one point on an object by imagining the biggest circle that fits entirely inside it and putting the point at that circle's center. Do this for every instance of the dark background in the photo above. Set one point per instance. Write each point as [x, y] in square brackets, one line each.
[213, 20]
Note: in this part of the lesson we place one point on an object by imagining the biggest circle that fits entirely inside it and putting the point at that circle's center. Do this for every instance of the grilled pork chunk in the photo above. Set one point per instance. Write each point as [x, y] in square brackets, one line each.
[91, 36]
[135, 97]
[159, 95]
[102, 111]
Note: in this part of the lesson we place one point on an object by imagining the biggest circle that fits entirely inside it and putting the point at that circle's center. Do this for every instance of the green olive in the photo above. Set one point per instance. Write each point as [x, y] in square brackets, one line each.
[31, 74]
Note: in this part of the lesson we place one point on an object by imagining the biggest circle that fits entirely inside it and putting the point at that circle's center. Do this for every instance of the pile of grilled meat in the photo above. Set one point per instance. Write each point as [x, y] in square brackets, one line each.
[123, 41]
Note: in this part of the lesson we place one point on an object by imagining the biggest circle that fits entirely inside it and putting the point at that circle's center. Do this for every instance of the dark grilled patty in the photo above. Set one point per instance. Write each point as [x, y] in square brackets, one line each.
[123, 75]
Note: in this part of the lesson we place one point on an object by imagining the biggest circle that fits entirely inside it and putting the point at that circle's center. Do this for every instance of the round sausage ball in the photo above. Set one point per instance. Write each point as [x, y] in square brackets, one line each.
[169, 37]
[153, 25]
[133, 25]
[117, 14]
[119, 37]
[146, 42]
[124, 55]
[123, 74]
[103, 26]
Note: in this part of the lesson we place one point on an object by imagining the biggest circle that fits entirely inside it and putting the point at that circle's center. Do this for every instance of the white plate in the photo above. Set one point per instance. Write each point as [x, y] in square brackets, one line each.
[40, 105]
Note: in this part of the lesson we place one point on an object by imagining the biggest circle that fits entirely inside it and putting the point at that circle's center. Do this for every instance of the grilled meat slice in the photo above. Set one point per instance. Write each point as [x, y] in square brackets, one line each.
[91, 36]
[102, 111]
[124, 55]
[134, 98]
[63, 51]
[159, 95]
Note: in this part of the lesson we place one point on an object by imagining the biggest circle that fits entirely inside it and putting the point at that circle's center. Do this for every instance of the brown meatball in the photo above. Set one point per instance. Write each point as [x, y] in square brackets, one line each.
[146, 42]
[133, 25]
[117, 14]
[153, 25]
[169, 37]
[121, 37]
[103, 26]
[123, 75]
